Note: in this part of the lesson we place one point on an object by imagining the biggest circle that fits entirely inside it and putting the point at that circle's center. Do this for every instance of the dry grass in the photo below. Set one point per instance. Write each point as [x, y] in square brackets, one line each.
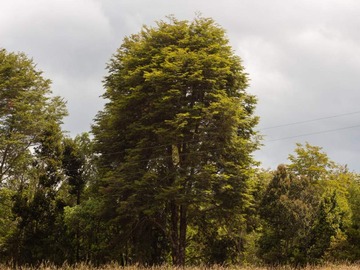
[117, 267]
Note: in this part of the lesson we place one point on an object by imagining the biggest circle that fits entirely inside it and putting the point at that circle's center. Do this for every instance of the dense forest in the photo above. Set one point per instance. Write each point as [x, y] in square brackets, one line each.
[167, 173]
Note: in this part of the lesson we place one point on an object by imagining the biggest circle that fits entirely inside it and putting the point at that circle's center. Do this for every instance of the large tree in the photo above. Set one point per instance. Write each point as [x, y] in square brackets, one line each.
[176, 135]
[30, 153]
[25, 109]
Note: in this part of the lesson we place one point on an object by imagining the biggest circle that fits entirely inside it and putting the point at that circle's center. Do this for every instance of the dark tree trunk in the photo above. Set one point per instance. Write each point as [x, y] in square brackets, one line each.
[178, 234]
[178, 221]
[174, 232]
[182, 236]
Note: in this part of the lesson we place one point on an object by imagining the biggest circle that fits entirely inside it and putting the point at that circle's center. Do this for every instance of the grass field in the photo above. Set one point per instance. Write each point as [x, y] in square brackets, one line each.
[117, 267]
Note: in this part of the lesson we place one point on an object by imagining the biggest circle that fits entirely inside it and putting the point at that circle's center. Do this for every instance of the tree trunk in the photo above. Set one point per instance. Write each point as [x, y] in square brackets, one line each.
[178, 233]
[182, 237]
[178, 216]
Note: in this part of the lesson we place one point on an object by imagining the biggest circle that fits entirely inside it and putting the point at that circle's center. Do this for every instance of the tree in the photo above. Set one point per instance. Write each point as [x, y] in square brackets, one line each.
[74, 163]
[311, 161]
[30, 169]
[288, 208]
[7, 223]
[40, 231]
[354, 231]
[326, 228]
[24, 107]
[77, 162]
[333, 218]
[176, 136]
[306, 210]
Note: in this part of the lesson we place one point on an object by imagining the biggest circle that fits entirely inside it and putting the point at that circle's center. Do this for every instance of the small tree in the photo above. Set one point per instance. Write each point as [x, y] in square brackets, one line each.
[306, 209]
[327, 227]
[353, 232]
[287, 207]
[311, 161]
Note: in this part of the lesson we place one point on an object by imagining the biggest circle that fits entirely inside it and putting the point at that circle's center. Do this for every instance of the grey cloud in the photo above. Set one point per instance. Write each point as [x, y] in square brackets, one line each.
[303, 58]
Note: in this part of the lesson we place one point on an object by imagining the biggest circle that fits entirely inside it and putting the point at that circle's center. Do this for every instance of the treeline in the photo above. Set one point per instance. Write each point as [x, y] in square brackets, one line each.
[168, 175]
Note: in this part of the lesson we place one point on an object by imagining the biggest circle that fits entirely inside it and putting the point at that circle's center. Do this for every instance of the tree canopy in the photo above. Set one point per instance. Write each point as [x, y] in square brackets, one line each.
[30, 154]
[168, 176]
[176, 135]
[25, 110]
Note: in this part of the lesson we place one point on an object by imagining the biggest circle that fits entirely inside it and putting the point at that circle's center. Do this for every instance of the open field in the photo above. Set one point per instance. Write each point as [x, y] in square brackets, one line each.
[117, 267]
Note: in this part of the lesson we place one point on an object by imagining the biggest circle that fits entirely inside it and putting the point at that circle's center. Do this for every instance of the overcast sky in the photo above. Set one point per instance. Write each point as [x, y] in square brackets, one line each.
[303, 59]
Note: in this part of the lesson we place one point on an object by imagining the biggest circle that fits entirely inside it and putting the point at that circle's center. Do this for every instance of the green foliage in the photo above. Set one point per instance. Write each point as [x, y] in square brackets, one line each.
[7, 223]
[326, 229]
[74, 162]
[352, 250]
[39, 231]
[25, 107]
[30, 161]
[176, 136]
[169, 177]
[311, 161]
[307, 210]
[86, 243]
[287, 207]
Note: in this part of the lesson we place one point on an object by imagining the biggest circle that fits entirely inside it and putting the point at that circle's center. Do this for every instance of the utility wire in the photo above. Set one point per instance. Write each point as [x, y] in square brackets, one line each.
[217, 149]
[279, 139]
[310, 120]
[313, 133]
[273, 140]
[272, 127]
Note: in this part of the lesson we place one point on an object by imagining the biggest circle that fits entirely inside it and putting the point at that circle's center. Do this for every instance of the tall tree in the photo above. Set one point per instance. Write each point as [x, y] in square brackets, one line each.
[30, 154]
[40, 231]
[24, 107]
[176, 135]
[78, 168]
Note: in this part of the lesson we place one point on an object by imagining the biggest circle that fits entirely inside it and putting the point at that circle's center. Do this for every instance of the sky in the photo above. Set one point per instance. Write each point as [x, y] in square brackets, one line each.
[302, 57]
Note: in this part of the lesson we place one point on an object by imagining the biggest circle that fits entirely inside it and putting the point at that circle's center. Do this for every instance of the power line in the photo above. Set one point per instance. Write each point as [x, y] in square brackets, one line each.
[159, 146]
[310, 120]
[279, 139]
[313, 133]
[217, 149]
